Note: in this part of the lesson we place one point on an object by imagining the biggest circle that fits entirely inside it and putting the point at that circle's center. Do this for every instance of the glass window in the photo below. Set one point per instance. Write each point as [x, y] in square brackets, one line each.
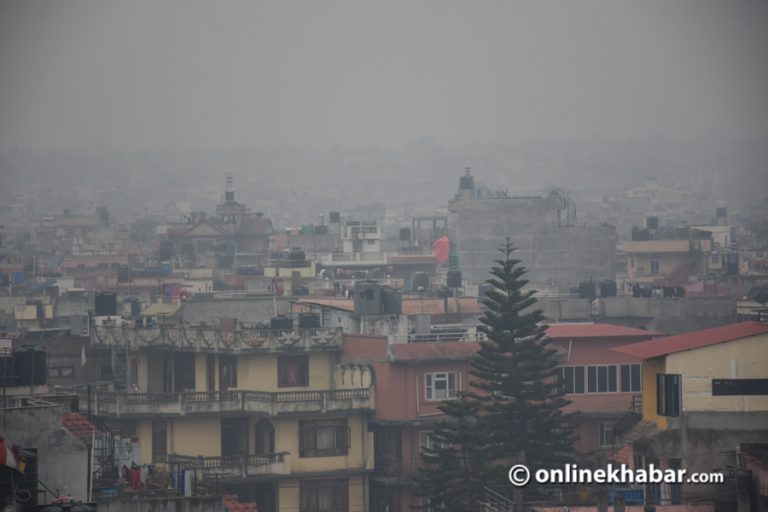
[441, 385]
[292, 371]
[605, 434]
[323, 438]
[323, 495]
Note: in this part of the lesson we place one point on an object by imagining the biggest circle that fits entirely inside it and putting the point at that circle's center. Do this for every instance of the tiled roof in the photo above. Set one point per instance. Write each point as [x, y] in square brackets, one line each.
[77, 424]
[587, 330]
[433, 350]
[693, 340]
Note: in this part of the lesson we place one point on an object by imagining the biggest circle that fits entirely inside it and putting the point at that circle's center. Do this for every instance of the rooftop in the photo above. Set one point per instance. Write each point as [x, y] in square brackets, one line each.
[435, 351]
[590, 330]
[693, 340]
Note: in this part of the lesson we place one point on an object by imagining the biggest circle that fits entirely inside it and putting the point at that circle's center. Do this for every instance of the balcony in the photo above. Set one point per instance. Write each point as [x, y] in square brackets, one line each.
[209, 339]
[233, 466]
[213, 402]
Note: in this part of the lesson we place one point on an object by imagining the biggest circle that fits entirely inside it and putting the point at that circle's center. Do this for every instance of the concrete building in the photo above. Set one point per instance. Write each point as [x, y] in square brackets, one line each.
[555, 250]
[704, 393]
[271, 415]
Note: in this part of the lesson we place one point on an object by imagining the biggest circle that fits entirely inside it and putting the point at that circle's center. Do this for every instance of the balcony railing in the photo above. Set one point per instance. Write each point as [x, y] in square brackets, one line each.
[208, 339]
[232, 466]
[211, 402]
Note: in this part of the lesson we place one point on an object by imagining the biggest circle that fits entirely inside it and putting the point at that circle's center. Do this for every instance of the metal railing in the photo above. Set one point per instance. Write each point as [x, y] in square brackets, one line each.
[231, 466]
[210, 339]
[201, 402]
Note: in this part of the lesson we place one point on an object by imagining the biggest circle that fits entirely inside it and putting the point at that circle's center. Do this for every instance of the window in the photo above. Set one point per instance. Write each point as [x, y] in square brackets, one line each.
[159, 441]
[654, 266]
[601, 379]
[265, 438]
[323, 495]
[61, 371]
[605, 434]
[441, 385]
[668, 392]
[292, 371]
[234, 436]
[427, 441]
[323, 438]
[227, 372]
[631, 379]
[739, 387]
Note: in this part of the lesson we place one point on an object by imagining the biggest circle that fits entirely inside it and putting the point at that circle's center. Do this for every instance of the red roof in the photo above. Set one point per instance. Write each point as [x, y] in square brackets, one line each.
[433, 350]
[693, 340]
[77, 424]
[572, 331]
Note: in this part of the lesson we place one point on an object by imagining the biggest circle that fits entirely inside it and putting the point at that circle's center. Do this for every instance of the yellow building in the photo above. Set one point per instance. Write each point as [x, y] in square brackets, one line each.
[704, 392]
[651, 260]
[269, 415]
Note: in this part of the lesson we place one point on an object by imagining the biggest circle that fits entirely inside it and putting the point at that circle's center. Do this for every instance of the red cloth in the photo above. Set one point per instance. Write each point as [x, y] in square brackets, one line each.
[442, 249]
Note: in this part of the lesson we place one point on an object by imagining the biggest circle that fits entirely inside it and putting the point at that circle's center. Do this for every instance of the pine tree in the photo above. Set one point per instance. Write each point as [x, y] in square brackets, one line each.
[514, 370]
[513, 411]
[456, 465]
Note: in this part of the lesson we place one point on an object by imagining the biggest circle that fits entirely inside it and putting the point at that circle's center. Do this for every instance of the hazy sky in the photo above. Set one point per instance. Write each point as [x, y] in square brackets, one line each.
[149, 74]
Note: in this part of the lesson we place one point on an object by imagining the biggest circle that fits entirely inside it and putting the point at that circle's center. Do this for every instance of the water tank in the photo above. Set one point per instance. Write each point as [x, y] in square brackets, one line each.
[367, 298]
[334, 218]
[587, 290]
[454, 279]
[608, 288]
[420, 280]
[640, 234]
[281, 322]
[483, 289]
[652, 222]
[105, 304]
[392, 301]
[422, 323]
[31, 367]
[467, 182]
[309, 320]
[405, 233]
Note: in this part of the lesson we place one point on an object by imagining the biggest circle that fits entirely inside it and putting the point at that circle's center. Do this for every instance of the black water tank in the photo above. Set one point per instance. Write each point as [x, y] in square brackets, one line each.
[281, 322]
[652, 222]
[105, 304]
[309, 320]
[392, 301]
[640, 235]
[608, 288]
[334, 218]
[454, 279]
[405, 233]
[587, 290]
[31, 366]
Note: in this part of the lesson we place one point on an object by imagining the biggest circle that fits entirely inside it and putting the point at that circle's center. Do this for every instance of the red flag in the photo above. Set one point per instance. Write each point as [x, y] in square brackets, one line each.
[442, 249]
[12, 457]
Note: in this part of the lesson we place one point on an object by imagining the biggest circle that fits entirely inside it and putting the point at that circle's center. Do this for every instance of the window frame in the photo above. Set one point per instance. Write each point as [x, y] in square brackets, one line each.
[602, 429]
[283, 364]
[308, 438]
[309, 494]
[669, 394]
[430, 385]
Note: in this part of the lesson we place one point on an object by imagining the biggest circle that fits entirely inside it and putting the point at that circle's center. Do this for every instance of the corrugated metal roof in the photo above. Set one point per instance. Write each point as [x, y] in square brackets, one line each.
[693, 340]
